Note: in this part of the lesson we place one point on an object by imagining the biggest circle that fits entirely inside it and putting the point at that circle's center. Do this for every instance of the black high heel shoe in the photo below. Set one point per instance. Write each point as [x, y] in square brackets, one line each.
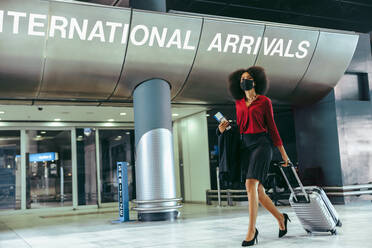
[251, 242]
[284, 232]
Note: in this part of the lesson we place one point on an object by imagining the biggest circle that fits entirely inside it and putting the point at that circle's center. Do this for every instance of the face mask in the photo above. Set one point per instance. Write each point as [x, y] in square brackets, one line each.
[246, 84]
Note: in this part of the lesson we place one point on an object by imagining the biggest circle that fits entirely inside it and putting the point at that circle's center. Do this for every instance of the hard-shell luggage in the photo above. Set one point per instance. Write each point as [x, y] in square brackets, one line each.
[312, 206]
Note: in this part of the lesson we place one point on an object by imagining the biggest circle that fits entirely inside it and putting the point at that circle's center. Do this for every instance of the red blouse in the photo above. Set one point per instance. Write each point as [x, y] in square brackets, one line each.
[257, 118]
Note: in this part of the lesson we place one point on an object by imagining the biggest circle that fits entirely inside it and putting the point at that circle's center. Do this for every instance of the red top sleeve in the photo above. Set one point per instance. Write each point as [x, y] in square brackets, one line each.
[269, 117]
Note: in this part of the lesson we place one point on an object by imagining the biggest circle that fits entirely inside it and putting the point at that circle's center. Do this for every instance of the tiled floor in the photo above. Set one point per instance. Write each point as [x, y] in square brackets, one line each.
[199, 226]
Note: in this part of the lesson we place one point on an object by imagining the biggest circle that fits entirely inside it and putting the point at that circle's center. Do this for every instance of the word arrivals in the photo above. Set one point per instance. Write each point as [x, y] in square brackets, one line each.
[237, 44]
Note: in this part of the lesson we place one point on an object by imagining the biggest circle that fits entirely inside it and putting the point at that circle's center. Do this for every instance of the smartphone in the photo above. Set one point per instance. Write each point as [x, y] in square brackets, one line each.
[219, 117]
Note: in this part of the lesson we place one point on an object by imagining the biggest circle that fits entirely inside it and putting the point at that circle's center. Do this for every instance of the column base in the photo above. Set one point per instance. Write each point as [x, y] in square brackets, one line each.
[158, 216]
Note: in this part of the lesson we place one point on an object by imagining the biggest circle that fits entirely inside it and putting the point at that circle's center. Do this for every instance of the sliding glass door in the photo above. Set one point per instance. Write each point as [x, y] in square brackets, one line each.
[48, 168]
[10, 170]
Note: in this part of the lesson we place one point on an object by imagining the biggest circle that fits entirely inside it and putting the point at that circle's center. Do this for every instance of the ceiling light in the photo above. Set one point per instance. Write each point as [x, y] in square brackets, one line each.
[2, 112]
[207, 115]
[127, 133]
[57, 119]
[38, 138]
[123, 113]
[56, 124]
[87, 131]
[110, 120]
[43, 132]
[175, 114]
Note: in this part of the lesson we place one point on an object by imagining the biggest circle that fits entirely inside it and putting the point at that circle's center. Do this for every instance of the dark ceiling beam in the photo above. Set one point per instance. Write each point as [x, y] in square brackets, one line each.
[354, 3]
[283, 12]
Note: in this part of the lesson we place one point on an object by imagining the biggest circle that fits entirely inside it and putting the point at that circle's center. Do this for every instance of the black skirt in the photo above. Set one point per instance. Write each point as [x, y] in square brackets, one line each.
[256, 155]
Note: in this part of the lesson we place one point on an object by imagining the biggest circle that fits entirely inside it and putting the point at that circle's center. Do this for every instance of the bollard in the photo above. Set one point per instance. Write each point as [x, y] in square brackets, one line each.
[123, 196]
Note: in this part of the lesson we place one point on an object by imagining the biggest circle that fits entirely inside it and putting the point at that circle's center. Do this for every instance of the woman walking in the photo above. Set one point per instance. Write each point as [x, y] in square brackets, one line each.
[255, 121]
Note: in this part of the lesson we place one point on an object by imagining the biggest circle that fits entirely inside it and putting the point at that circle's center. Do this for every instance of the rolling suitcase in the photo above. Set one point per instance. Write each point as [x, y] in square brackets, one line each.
[312, 206]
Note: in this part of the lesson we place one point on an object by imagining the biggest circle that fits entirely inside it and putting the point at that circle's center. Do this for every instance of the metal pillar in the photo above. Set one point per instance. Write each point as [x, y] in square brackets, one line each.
[155, 174]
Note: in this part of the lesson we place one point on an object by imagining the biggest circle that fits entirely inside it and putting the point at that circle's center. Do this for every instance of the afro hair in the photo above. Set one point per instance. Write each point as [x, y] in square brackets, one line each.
[259, 77]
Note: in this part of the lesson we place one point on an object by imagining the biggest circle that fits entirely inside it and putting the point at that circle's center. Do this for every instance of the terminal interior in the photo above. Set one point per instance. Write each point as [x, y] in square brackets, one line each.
[73, 104]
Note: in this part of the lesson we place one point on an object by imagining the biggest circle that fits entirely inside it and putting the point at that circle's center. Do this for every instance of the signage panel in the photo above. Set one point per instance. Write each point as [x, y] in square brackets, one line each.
[330, 60]
[123, 196]
[43, 157]
[225, 46]
[21, 55]
[85, 51]
[285, 56]
[57, 50]
[160, 46]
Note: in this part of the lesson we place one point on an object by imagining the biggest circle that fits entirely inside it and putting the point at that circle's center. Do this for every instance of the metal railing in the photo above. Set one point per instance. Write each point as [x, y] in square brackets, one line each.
[349, 190]
[231, 196]
[228, 195]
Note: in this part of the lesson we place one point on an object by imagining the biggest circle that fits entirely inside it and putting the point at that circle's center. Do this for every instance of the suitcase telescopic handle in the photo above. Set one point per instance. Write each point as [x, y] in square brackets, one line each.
[297, 178]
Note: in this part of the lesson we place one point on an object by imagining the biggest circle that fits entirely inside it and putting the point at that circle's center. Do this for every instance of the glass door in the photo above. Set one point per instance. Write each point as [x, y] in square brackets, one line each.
[10, 170]
[86, 166]
[115, 146]
[48, 168]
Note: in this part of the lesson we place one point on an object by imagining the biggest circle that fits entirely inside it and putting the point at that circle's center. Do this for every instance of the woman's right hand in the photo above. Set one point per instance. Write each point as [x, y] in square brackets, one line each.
[223, 125]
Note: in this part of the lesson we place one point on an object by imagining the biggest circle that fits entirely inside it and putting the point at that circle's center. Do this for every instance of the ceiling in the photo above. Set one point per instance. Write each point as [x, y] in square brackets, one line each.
[81, 113]
[353, 15]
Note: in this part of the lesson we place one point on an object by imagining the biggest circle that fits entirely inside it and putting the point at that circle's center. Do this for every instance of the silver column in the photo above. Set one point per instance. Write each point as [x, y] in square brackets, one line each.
[155, 177]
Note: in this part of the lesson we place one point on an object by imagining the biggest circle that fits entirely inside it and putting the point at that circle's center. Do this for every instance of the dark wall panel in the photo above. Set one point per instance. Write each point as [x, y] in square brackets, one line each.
[354, 119]
[317, 141]
[354, 116]
[361, 61]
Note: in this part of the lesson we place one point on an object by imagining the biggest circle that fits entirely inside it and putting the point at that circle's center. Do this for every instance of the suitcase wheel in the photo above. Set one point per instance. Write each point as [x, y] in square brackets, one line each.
[339, 223]
[334, 232]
